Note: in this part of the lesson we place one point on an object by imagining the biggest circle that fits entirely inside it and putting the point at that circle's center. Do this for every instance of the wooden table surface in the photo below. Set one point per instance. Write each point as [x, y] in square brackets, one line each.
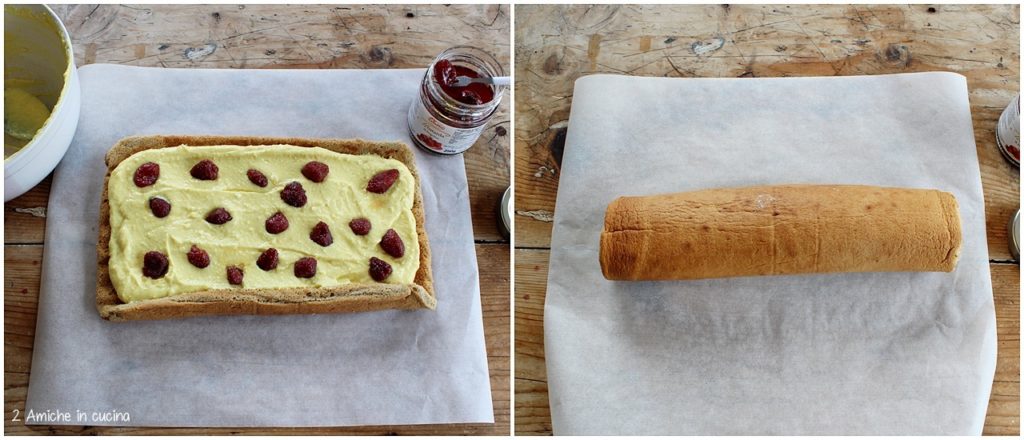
[557, 44]
[279, 36]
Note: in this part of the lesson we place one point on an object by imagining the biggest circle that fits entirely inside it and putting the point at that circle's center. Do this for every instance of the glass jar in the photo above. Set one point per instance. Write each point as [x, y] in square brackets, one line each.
[446, 119]
[1008, 132]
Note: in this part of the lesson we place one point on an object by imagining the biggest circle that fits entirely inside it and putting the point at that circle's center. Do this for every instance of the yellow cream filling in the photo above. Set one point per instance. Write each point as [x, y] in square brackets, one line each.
[239, 242]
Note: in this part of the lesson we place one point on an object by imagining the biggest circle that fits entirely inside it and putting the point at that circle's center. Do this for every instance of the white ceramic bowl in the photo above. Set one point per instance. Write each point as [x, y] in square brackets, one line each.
[38, 36]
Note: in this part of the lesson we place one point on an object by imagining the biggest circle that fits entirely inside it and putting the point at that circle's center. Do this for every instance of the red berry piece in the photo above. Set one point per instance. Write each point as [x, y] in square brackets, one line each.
[315, 171]
[321, 235]
[360, 226]
[382, 181]
[235, 275]
[218, 216]
[160, 207]
[430, 142]
[268, 259]
[277, 223]
[205, 170]
[294, 195]
[379, 269]
[392, 244]
[198, 257]
[257, 178]
[154, 264]
[445, 73]
[305, 267]
[146, 174]
[472, 97]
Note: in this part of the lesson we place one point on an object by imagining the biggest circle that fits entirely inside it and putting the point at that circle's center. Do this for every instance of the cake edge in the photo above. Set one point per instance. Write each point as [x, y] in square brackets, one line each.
[354, 297]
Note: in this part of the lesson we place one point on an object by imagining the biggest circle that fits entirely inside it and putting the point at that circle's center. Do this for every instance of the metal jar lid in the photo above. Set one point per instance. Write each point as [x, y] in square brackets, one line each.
[1008, 132]
[505, 209]
[1015, 235]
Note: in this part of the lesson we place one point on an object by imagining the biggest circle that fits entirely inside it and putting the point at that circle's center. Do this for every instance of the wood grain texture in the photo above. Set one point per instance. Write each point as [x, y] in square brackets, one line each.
[25, 216]
[280, 36]
[533, 414]
[555, 45]
[21, 293]
[1003, 417]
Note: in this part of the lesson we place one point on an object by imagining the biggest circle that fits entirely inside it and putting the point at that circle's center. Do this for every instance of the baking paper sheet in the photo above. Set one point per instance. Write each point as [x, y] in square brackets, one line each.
[377, 368]
[872, 353]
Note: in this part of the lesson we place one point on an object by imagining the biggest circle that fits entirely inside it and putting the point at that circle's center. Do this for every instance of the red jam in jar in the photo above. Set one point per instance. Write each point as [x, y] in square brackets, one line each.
[445, 73]
[447, 119]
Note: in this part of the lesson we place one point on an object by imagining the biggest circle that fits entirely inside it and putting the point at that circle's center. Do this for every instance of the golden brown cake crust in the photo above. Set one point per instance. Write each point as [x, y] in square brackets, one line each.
[780, 230]
[356, 297]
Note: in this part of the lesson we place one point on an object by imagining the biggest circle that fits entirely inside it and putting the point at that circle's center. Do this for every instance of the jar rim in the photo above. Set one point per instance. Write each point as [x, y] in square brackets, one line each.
[478, 58]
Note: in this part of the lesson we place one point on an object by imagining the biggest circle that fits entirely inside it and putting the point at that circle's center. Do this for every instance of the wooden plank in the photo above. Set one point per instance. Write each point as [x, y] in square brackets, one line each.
[555, 45]
[288, 36]
[1003, 417]
[495, 291]
[25, 216]
[533, 416]
[487, 169]
[21, 292]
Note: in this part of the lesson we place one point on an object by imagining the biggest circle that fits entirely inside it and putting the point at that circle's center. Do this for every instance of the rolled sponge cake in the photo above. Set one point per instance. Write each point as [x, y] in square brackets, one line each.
[780, 230]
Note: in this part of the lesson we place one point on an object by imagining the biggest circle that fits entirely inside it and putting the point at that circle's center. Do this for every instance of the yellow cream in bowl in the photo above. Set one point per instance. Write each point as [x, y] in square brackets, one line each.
[24, 115]
[340, 198]
[36, 67]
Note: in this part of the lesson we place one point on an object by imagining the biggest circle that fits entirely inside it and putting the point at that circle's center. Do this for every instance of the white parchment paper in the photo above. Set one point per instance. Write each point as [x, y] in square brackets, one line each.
[873, 353]
[378, 368]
